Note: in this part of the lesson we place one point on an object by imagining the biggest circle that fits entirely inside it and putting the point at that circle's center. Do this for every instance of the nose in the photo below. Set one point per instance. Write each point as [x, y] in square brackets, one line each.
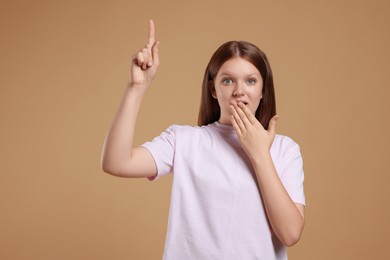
[238, 90]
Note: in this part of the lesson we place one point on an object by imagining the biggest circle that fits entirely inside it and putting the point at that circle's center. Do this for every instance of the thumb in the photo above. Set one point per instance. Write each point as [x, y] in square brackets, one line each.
[272, 124]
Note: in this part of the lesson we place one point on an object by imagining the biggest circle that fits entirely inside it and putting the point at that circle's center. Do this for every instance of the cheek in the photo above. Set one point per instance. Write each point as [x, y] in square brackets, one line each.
[221, 94]
[257, 93]
[258, 97]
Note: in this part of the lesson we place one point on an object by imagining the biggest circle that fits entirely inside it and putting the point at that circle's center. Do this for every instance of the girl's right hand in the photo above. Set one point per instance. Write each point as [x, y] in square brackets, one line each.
[144, 63]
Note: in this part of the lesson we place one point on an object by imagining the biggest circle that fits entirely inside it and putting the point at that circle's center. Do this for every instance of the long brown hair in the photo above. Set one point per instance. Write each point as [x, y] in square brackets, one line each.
[209, 111]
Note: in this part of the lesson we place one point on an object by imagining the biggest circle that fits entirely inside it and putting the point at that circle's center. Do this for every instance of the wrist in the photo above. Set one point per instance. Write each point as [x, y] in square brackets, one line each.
[263, 156]
[139, 89]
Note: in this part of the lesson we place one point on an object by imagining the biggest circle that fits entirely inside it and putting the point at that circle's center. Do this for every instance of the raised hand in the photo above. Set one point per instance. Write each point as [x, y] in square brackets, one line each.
[254, 139]
[145, 63]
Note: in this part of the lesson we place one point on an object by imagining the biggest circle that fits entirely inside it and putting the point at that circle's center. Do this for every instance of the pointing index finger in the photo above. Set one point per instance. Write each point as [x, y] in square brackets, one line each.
[151, 33]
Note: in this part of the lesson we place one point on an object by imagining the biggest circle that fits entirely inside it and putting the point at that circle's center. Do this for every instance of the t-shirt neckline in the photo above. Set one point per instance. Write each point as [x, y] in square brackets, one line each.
[225, 128]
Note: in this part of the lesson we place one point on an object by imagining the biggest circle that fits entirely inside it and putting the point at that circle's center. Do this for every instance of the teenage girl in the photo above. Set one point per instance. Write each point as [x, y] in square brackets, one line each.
[237, 190]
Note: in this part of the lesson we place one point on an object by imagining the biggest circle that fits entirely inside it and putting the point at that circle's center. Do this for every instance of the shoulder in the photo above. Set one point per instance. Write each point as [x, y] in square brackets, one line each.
[187, 129]
[284, 144]
[190, 134]
[284, 140]
[176, 127]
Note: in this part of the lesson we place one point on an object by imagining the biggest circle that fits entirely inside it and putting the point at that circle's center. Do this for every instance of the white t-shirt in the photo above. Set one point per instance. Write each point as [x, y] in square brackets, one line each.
[216, 208]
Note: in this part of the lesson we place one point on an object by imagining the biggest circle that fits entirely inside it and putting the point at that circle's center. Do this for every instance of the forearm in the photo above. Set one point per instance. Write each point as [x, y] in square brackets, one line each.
[119, 140]
[284, 216]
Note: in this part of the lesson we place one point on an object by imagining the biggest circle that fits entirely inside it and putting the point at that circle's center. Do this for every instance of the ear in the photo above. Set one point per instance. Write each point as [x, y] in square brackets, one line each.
[212, 89]
[213, 93]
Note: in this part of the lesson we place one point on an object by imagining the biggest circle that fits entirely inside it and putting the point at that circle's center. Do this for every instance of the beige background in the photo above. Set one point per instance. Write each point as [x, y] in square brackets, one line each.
[64, 67]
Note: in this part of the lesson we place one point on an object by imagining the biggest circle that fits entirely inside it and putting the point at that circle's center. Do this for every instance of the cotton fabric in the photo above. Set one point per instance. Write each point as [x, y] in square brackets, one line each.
[216, 210]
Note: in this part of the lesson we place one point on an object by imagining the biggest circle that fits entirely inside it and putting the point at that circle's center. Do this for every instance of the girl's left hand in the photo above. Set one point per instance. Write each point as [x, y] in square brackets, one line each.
[254, 139]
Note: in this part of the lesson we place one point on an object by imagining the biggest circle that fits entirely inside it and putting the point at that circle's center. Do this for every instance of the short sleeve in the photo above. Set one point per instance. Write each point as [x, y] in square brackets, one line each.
[162, 149]
[292, 175]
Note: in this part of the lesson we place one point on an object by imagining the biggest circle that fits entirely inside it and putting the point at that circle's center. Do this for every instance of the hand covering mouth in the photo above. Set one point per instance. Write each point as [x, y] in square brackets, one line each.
[241, 101]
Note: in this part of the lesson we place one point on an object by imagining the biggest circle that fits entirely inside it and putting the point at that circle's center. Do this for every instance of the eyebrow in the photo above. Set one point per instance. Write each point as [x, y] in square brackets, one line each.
[249, 75]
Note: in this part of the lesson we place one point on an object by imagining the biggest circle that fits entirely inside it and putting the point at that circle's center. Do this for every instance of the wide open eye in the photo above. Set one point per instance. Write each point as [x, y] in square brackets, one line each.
[251, 81]
[227, 81]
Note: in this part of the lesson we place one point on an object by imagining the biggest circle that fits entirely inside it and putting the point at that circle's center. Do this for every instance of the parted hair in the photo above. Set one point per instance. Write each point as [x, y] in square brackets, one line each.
[209, 110]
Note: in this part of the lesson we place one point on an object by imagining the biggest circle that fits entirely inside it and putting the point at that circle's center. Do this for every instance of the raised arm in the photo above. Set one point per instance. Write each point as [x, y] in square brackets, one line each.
[118, 157]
